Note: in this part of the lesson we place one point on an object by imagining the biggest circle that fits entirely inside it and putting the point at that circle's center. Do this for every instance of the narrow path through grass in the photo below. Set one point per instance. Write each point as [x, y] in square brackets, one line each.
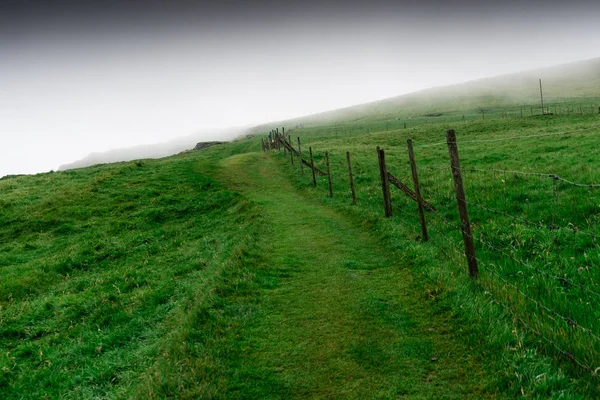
[339, 316]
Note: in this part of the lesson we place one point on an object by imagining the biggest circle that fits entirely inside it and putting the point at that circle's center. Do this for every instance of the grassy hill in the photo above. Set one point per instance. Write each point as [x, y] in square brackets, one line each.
[224, 273]
[568, 85]
[105, 268]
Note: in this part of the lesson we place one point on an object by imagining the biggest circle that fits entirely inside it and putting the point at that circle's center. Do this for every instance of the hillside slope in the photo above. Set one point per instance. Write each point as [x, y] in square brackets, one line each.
[574, 83]
[102, 269]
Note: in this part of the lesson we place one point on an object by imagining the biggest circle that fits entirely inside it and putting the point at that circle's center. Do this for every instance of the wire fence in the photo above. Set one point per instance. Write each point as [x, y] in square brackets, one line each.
[532, 233]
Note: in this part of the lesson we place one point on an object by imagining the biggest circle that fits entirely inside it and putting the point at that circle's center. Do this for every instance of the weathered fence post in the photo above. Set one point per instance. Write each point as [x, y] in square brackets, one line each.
[328, 174]
[312, 166]
[465, 225]
[300, 155]
[351, 178]
[385, 184]
[291, 148]
[278, 140]
[413, 168]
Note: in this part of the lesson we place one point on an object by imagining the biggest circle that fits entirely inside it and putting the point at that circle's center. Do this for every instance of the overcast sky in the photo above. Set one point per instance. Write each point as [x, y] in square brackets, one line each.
[82, 76]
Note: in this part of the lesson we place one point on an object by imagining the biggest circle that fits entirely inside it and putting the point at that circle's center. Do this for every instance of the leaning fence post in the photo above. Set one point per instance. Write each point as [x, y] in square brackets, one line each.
[385, 184]
[300, 155]
[312, 166]
[413, 168]
[351, 178]
[328, 174]
[465, 225]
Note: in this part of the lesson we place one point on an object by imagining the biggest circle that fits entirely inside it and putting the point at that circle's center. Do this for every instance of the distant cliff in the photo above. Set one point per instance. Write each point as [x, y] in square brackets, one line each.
[156, 150]
[204, 145]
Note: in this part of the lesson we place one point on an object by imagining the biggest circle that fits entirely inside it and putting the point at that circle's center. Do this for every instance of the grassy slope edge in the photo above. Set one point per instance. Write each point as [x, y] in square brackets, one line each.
[107, 269]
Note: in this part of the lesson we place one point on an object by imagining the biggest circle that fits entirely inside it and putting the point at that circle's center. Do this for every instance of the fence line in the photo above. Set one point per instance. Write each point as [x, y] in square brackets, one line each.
[549, 316]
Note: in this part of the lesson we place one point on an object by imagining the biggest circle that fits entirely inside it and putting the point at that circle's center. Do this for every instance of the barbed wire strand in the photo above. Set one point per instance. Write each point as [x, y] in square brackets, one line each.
[513, 137]
[541, 174]
[536, 269]
[568, 320]
[525, 221]
[563, 352]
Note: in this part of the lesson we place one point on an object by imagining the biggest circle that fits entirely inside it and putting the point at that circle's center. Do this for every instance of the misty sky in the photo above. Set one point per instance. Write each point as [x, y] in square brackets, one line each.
[82, 76]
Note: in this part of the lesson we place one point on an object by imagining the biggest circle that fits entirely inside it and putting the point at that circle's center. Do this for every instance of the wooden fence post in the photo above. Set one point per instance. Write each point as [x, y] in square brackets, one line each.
[351, 178]
[291, 152]
[300, 155]
[413, 168]
[328, 174]
[277, 140]
[385, 184]
[312, 165]
[465, 225]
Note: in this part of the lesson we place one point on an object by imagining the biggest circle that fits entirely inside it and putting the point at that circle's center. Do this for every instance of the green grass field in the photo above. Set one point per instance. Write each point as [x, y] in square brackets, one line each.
[105, 268]
[224, 273]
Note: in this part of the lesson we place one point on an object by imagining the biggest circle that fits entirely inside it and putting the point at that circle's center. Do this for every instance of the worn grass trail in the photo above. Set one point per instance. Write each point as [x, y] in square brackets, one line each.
[339, 316]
